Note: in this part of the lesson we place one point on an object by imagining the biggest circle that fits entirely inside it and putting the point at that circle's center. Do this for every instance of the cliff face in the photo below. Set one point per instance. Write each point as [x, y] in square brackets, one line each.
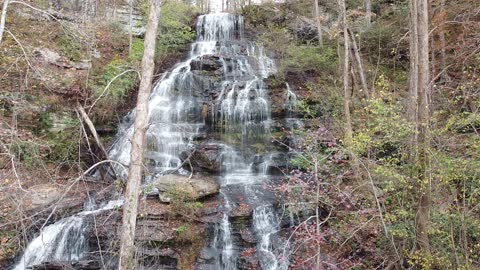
[53, 61]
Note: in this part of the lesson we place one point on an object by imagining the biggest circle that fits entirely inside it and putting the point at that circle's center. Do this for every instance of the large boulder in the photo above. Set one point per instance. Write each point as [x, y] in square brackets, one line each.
[193, 188]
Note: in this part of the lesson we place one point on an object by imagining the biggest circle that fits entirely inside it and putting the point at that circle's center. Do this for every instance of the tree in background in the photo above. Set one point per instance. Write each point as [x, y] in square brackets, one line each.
[319, 23]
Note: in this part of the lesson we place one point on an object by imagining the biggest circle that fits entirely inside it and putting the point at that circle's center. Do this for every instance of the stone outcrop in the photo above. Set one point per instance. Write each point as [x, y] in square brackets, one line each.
[204, 158]
[193, 188]
[53, 58]
[207, 63]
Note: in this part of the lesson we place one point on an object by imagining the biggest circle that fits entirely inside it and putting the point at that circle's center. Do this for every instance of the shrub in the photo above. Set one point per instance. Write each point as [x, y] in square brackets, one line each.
[26, 152]
[175, 29]
[307, 57]
[70, 47]
[120, 86]
[175, 25]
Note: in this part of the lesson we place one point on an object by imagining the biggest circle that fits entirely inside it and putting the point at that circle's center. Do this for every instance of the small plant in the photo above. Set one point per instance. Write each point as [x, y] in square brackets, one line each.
[182, 229]
[26, 152]
[70, 47]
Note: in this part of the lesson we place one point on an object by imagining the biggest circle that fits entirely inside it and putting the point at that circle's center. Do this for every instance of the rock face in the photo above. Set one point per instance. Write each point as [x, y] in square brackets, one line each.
[204, 158]
[53, 58]
[81, 265]
[207, 63]
[193, 188]
[165, 240]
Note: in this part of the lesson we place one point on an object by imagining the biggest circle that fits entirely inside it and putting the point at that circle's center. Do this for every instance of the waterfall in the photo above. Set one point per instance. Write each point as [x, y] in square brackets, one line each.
[63, 241]
[219, 88]
[291, 102]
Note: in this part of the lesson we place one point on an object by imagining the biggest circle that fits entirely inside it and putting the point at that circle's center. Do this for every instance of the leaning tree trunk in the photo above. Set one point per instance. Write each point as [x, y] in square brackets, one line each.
[135, 169]
[361, 71]
[423, 214]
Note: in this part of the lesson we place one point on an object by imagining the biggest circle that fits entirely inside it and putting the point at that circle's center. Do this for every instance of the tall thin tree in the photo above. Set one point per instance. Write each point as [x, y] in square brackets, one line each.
[423, 213]
[346, 69]
[319, 24]
[368, 11]
[135, 170]
[3, 19]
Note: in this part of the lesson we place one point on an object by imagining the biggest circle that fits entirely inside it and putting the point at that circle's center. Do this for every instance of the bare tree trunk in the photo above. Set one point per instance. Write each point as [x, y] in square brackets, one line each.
[91, 127]
[443, 57]
[319, 24]
[368, 11]
[423, 214]
[361, 71]
[136, 160]
[3, 18]
[317, 214]
[346, 69]
[412, 109]
[114, 9]
[130, 26]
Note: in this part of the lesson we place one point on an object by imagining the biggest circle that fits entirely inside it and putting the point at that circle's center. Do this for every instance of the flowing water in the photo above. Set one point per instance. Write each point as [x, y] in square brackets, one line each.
[182, 103]
[63, 241]
[218, 89]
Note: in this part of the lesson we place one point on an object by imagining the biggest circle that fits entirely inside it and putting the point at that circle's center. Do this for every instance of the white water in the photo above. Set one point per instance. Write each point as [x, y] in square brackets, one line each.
[242, 110]
[63, 241]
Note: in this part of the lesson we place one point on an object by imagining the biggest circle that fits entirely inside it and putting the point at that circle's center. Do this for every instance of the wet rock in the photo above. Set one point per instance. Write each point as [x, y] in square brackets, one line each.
[208, 254]
[80, 265]
[193, 188]
[159, 258]
[204, 158]
[273, 163]
[241, 210]
[248, 236]
[207, 63]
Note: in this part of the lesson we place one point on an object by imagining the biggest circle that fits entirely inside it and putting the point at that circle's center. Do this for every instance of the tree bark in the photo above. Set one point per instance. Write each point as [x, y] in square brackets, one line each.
[443, 55]
[135, 169]
[3, 19]
[361, 71]
[413, 87]
[319, 24]
[130, 26]
[346, 68]
[368, 11]
[423, 214]
[91, 127]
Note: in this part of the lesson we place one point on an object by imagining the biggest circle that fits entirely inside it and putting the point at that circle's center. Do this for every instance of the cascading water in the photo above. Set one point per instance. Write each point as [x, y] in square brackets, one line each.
[240, 109]
[63, 241]
[185, 104]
